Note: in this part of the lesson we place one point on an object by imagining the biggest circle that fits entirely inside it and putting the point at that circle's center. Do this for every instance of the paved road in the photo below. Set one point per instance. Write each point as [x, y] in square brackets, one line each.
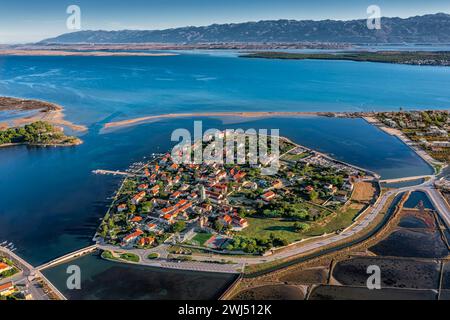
[27, 276]
[162, 250]
[439, 203]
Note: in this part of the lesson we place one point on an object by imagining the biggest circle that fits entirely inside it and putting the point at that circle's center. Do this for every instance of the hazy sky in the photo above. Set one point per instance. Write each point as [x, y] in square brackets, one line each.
[27, 21]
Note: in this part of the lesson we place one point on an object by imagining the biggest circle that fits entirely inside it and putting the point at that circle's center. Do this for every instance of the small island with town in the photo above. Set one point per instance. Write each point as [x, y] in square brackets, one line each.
[233, 208]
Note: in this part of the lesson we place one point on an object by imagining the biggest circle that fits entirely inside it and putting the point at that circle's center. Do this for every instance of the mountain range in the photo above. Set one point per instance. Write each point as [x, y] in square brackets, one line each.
[428, 29]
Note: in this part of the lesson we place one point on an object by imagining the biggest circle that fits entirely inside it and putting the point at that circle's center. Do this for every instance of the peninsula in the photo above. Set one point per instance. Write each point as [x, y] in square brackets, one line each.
[438, 58]
[27, 111]
[34, 122]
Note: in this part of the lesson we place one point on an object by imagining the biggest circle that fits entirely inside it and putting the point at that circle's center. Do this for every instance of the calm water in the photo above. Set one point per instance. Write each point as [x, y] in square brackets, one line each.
[52, 203]
[105, 280]
[93, 88]
[415, 198]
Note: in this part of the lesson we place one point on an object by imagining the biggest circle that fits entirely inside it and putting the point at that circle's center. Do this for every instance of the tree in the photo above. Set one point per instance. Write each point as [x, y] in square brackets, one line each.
[178, 226]
[299, 227]
[313, 195]
[219, 225]
[147, 206]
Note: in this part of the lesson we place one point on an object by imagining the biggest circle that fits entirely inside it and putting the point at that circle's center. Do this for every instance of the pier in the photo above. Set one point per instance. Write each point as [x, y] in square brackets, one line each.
[114, 173]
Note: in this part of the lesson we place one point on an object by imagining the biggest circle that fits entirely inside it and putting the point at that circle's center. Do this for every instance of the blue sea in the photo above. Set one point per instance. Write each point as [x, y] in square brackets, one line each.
[52, 203]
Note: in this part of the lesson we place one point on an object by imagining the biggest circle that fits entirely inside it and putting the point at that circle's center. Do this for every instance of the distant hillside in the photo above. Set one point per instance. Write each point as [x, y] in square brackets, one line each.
[433, 28]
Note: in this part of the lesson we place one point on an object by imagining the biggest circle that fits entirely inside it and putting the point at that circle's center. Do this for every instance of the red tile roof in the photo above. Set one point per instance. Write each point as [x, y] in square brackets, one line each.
[3, 266]
[136, 219]
[6, 286]
[133, 235]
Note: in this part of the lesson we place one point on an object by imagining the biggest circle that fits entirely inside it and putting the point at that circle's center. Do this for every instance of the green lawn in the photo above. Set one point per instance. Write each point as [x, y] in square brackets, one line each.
[129, 257]
[201, 238]
[153, 255]
[108, 255]
[340, 221]
[263, 227]
[295, 157]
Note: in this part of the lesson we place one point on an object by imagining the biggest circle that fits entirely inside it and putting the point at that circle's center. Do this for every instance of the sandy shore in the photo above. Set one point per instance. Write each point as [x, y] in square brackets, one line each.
[263, 114]
[80, 53]
[46, 111]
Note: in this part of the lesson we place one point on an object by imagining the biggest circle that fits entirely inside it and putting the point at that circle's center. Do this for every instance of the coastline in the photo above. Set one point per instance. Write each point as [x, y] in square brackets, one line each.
[45, 111]
[403, 138]
[63, 53]
[76, 143]
[413, 58]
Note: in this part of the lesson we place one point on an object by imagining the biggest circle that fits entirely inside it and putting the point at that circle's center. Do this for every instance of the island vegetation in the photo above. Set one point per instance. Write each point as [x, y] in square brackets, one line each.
[38, 133]
[438, 58]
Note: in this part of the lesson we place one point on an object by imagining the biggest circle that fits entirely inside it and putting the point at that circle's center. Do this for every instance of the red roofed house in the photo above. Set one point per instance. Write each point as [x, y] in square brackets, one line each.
[226, 219]
[175, 195]
[6, 289]
[268, 196]
[221, 175]
[136, 219]
[143, 186]
[154, 190]
[241, 222]
[137, 198]
[146, 241]
[169, 218]
[309, 188]
[132, 236]
[4, 267]
[121, 207]
[193, 195]
[238, 176]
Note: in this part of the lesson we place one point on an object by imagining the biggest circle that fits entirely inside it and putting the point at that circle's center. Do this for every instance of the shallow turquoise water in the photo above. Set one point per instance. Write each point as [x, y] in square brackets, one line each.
[93, 88]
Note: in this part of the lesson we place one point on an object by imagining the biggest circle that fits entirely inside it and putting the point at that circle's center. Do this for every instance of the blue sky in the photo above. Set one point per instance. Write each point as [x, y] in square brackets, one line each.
[26, 21]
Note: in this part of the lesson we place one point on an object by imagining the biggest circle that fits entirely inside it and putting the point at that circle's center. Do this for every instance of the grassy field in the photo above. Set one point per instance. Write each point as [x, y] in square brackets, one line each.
[263, 227]
[295, 157]
[342, 220]
[201, 238]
